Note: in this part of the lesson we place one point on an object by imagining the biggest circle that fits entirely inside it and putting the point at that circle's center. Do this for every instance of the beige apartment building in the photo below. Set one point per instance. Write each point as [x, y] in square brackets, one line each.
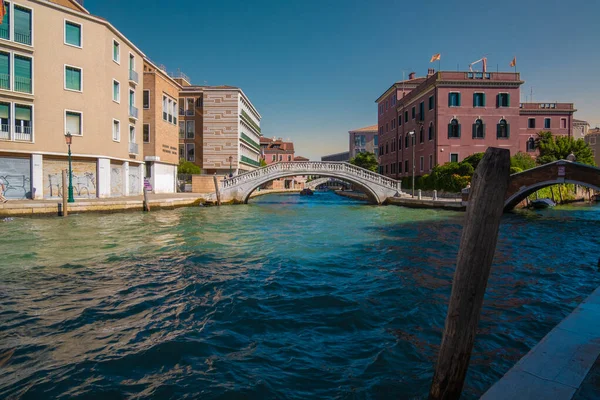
[363, 140]
[63, 71]
[160, 129]
[219, 128]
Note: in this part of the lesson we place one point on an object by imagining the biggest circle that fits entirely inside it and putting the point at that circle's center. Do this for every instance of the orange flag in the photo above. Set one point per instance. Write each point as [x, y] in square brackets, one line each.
[2, 11]
[513, 63]
[435, 57]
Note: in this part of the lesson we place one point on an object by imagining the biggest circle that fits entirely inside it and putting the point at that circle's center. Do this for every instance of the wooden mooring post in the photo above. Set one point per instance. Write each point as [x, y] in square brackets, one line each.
[146, 203]
[473, 264]
[65, 190]
[217, 189]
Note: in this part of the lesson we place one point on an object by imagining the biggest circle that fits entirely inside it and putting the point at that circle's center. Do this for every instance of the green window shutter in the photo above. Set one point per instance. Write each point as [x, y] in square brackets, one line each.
[449, 130]
[474, 131]
[22, 112]
[458, 102]
[497, 130]
[4, 71]
[483, 129]
[449, 99]
[73, 78]
[507, 130]
[23, 74]
[498, 103]
[483, 105]
[508, 100]
[73, 34]
[458, 130]
[475, 100]
[4, 110]
[22, 19]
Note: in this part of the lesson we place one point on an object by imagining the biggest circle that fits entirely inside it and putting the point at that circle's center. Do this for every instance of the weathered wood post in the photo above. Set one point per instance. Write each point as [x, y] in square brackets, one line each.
[217, 189]
[65, 195]
[473, 263]
[146, 203]
[560, 187]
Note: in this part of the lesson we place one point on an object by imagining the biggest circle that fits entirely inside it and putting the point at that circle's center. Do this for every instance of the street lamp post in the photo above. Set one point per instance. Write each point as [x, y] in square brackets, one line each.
[230, 160]
[69, 140]
[412, 135]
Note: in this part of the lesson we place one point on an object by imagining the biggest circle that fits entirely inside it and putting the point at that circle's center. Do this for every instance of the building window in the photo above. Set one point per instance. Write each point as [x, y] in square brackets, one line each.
[132, 109]
[289, 158]
[181, 106]
[72, 34]
[116, 52]
[190, 129]
[530, 144]
[430, 131]
[387, 127]
[146, 133]
[422, 163]
[454, 99]
[199, 102]
[406, 144]
[131, 134]
[387, 148]
[190, 151]
[503, 100]
[73, 78]
[431, 103]
[563, 123]
[173, 109]
[399, 120]
[399, 167]
[5, 120]
[421, 135]
[422, 111]
[182, 151]
[5, 25]
[413, 112]
[181, 129]
[405, 117]
[116, 130]
[453, 157]
[531, 123]
[386, 169]
[381, 130]
[503, 130]
[73, 123]
[23, 23]
[478, 129]
[478, 99]
[23, 122]
[5, 79]
[23, 67]
[430, 162]
[454, 129]
[546, 123]
[406, 166]
[189, 107]
[116, 91]
[274, 158]
[146, 100]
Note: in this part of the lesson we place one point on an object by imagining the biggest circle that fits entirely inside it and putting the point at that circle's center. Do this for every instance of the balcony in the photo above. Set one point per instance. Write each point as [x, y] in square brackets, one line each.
[249, 161]
[133, 112]
[23, 133]
[5, 81]
[23, 37]
[133, 148]
[23, 84]
[4, 31]
[133, 77]
[4, 132]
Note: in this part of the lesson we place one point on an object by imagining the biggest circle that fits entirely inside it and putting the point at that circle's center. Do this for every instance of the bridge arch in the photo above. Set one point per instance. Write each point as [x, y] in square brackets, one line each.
[371, 195]
[527, 182]
[377, 187]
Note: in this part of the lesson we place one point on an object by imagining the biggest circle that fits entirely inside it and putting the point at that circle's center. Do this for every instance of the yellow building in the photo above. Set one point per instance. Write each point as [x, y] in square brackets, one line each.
[63, 71]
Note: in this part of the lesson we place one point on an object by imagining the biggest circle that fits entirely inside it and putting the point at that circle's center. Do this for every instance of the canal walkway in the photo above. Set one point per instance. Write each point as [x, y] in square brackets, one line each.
[408, 201]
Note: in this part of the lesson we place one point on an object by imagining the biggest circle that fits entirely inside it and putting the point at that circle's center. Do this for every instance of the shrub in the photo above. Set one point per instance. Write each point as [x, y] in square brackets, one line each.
[188, 167]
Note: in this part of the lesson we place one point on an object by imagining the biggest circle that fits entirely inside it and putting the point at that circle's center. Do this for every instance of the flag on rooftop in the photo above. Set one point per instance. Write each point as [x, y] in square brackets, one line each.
[513, 63]
[435, 57]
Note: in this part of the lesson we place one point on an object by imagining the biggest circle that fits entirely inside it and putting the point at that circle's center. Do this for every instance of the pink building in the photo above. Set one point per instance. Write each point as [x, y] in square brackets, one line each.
[456, 114]
[276, 150]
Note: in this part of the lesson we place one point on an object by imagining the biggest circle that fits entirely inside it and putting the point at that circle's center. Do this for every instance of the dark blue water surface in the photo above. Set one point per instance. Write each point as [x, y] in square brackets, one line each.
[288, 297]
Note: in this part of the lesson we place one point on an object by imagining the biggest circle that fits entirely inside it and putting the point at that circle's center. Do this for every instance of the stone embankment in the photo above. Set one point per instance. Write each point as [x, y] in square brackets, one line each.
[407, 201]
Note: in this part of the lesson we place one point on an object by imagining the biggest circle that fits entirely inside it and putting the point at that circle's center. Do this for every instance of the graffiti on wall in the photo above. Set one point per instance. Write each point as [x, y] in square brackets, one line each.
[83, 185]
[16, 186]
[116, 180]
[134, 181]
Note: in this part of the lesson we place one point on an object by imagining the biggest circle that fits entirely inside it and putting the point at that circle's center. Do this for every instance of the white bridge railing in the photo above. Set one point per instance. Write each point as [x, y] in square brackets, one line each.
[313, 168]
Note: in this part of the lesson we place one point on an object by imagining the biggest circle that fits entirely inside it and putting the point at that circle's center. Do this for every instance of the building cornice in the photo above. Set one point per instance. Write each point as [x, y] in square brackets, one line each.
[74, 155]
[552, 111]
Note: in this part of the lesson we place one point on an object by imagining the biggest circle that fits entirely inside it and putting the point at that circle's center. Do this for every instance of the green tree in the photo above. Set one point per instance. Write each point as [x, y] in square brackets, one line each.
[365, 160]
[554, 148]
[188, 167]
[263, 163]
[474, 159]
[522, 162]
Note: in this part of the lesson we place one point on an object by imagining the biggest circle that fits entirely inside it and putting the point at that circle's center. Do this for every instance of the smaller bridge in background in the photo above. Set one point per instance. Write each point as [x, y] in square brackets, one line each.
[527, 182]
[378, 188]
[316, 183]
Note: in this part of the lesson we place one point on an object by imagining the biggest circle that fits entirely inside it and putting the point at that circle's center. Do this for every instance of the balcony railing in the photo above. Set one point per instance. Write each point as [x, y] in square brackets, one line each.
[133, 148]
[23, 37]
[23, 133]
[4, 31]
[250, 161]
[133, 112]
[189, 112]
[23, 84]
[5, 132]
[133, 76]
[5, 81]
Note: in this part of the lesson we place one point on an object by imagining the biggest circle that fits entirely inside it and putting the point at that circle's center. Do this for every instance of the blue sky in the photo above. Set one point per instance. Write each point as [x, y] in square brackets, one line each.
[313, 69]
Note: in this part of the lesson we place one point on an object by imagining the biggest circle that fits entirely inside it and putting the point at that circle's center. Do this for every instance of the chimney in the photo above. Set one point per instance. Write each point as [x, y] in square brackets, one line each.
[411, 76]
[430, 72]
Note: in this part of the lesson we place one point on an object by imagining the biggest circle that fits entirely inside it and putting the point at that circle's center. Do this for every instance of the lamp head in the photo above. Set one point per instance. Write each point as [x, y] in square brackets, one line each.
[411, 133]
[68, 138]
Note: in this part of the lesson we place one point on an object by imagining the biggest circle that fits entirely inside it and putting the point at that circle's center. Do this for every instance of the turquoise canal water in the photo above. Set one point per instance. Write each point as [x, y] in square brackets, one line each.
[288, 297]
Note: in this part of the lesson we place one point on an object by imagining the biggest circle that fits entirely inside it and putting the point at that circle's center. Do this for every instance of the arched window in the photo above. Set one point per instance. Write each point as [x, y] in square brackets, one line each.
[503, 130]
[421, 137]
[478, 129]
[430, 133]
[531, 144]
[454, 129]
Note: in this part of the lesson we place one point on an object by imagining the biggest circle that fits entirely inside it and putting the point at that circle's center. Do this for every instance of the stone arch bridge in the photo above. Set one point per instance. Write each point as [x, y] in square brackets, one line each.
[377, 187]
[527, 182]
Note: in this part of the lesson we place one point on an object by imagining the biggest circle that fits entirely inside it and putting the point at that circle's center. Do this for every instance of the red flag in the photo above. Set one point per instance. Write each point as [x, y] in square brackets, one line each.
[513, 63]
[2, 11]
